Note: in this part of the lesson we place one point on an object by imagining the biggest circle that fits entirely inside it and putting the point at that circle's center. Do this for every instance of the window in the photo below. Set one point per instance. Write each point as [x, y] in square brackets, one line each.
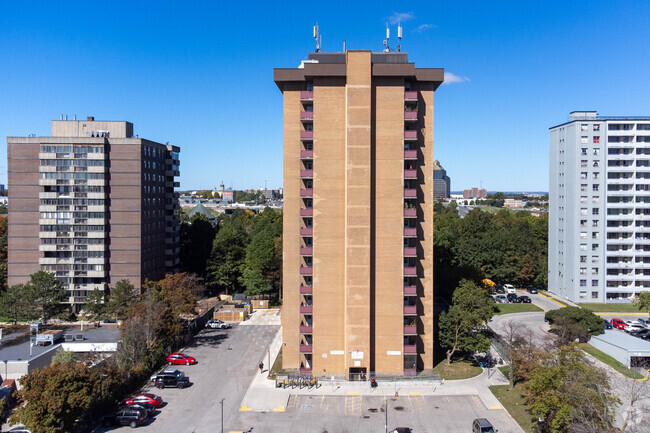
[583, 271]
[594, 247]
[584, 127]
[594, 211]
[595, 235]
[596, 176]
[596, 151]
[596, 127]
[583, 247]
[595, 200]
[584, 139]
[594, 295]
[583, 163]
[583, 259]
[584, 151]
[583, 223]
[596, 139]
[583, 235]
[583, 199]
[594, 259]
[594, 271]
[596, 164]
[583, 283]
[594, 187]
[583, 175]
[583, 187]
[583, 211]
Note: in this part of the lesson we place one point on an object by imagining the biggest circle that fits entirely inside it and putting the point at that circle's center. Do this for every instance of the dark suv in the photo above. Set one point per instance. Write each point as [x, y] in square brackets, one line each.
[170, 380]
[513, 298]
[126, 415]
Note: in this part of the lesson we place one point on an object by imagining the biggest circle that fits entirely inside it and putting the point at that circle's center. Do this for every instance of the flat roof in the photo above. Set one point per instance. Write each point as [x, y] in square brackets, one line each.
[624, 341]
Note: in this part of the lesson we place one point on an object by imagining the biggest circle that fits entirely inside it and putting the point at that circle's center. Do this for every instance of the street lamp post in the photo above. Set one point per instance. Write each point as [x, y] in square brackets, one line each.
[222, 414]
[386, 425]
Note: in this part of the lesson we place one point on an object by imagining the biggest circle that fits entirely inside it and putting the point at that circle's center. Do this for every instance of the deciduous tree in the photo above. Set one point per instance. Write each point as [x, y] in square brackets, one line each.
[575, 322]
[120, 299]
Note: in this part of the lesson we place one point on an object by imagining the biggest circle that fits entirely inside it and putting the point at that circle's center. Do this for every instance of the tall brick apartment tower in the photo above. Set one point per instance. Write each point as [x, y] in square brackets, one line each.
[93, 204]
[358, 214]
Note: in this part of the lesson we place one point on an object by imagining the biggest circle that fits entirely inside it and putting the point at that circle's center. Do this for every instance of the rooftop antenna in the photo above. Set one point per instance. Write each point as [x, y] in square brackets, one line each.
[387, 47]
[399, 37]
[317, 38]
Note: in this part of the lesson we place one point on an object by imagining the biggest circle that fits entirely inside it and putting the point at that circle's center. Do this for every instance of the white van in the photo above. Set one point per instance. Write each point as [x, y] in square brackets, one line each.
[510, 289]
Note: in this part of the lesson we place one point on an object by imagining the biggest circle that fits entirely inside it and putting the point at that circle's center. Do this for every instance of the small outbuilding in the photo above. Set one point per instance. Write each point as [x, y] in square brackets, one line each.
[630, 351]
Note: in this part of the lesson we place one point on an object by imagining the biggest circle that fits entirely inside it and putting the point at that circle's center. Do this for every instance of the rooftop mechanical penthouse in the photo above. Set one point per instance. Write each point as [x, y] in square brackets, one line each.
[358, 214]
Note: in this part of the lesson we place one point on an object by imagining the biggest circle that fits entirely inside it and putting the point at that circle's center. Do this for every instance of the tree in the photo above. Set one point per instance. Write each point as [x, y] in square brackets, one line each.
[63, 357]
[575, 322]
[511, 329]
[95, 305]
[642, 301]
[475, 306]
[176, 291]
[635, 392]
[197, 235]
[120, 299]
[17, 302]
[260, 263]
[48, 293]
[569, 394]
[226, 264]
[51, 400]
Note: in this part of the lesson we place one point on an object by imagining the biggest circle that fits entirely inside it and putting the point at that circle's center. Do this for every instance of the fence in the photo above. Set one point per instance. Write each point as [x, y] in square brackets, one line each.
[500, 345]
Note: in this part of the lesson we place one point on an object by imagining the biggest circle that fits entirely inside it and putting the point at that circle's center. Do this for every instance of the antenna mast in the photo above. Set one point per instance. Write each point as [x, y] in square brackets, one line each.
[317, 38]
[387, 47]
[399, 37]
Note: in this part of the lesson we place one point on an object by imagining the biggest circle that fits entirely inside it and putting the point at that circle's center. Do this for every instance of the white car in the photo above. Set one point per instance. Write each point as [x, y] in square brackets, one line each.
[510, 289]
[633, 326]
[217, 324]
[644, 322]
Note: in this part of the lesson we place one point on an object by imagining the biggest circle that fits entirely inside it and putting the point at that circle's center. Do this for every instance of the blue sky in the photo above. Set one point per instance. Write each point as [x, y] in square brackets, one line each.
[200, 75]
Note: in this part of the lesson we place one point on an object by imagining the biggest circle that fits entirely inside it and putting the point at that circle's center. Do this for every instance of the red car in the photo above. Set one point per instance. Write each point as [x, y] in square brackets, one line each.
[152, 399]
[618, 323]
[180, 358]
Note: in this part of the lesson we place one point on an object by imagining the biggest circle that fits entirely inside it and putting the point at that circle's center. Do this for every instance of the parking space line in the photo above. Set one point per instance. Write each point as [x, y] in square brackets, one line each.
[245, 409]
[353, 393]
[495, 407]
[321, 402]
[414, 393]
[279, 409]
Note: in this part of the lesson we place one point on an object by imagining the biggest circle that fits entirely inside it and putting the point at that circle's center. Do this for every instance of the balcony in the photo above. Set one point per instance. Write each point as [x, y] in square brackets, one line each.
[305, 348]
[306, 154]
[410, 174]
[306, 309]
[306, 231]
[305, 329]
[410, 232]
[410, 213]
[409, 348]
[306, 96]
[306, 135]
[410, 193]
[410, 310]
[306, 290]
[306, 192]
[410, 290]
[408, 135]
[305, 370]
[411, 96]
[306, 212]
[409, 330]
[410, 372]
[410, 116]
[307, 116]
[411, 271]
[306, 251]
[306, 270]
[306, 174]
[410, 154]
[410, 251]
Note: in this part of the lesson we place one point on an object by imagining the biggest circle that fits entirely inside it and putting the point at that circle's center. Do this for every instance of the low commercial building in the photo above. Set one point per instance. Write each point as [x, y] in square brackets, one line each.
[628, 350]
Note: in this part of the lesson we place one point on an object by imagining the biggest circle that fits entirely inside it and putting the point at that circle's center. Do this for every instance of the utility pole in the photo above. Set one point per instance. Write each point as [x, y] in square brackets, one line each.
[269, 364]
[222, 414]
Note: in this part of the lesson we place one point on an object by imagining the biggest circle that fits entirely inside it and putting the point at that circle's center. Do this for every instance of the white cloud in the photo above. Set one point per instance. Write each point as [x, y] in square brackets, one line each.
[423, 27]
[400, 17]
[453, 78]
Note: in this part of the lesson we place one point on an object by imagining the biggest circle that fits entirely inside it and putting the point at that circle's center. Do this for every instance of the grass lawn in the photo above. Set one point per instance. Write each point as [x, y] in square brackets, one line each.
[610, 361]
[513, 402]
[515, 308]
[459, 369]
[277, 365]
[611, 308]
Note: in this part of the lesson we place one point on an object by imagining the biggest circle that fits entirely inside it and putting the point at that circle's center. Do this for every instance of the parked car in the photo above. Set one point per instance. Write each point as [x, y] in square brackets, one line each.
[513, 298]
[482, 425]
[618, 323]
[641, 333]
[163, 380]
[491, 298]
[217, 324]
[148, 407]
[510, 289]
[633, 326]
[127, 416]
[401, 430]
[180, 358]
[608, 325]
[532, 290]
[501, 299]
[500, 290]
[152, 399]
[525, 299]
[644, 322]
[177, 373]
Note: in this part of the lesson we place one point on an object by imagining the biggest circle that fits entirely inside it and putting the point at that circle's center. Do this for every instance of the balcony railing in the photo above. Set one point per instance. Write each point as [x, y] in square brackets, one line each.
[305, 329]
[305, 348]
[306, 270]
[410, 271]
[306, 231]
[410, 154]
[411, 96]
[306, 96]
[306, 309]
[305, 370]
[410, 193]
[408, 329]
[410, 310]
[410, 251]
[306, 251]
[306, 290]
[306, 115]
[410, 174]
[306, 192]
[409, 290]
[306, 154]
[307, 173]
[408, 348]
[410, 232]
[410, 213]
[307, 212]
[410, 115]
[408, 135]
[307, 135]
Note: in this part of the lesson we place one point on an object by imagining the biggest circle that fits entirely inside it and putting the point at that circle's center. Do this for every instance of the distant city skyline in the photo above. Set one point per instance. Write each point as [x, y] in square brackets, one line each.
[201, 76]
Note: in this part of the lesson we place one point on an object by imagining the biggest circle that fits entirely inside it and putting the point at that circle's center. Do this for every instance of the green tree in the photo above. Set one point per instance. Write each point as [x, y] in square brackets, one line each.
[96, 305]
[475, 306]
[260, 263]
[197, 235]
[63, 357]
[17, 302]
[570, 323]
[226, 265]
[48, 294]
[642, 301]
[120, 299]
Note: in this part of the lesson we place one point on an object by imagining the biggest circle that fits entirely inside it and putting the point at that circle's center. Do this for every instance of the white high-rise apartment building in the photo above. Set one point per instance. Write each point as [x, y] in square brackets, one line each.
[599, 213]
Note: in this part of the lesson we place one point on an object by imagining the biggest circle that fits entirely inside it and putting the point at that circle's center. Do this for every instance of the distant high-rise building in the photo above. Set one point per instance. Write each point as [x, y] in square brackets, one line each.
[599, 208]
[474, 193]
[441, 182]
[358, 214]
[93, 204]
